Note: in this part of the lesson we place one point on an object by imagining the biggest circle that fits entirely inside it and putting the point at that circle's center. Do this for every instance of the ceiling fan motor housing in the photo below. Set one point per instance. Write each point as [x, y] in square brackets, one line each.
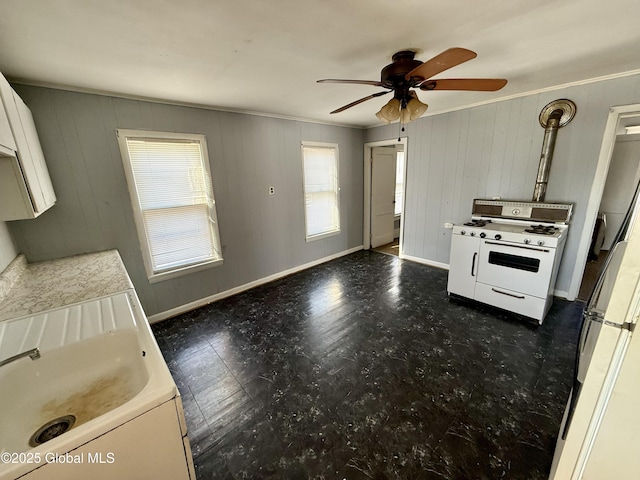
[392, 76]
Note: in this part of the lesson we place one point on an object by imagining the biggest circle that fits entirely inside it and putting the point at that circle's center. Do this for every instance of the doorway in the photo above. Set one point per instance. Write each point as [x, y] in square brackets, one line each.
[617, 175]
[385, 176]
[622, 179]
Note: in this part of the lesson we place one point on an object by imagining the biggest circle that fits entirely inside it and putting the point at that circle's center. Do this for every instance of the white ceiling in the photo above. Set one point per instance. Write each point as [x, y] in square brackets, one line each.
[264, 56]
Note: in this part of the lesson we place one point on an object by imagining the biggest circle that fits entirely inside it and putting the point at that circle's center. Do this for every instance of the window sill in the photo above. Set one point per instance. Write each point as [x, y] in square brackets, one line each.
[320, 236]
[178, 272]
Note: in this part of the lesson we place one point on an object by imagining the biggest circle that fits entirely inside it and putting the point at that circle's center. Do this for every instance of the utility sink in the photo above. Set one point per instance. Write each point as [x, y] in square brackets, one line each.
[67, 387]
[99, 368]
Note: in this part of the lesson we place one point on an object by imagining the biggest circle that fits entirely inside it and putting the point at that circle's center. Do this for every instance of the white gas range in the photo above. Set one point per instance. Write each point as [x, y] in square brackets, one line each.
[509, 254]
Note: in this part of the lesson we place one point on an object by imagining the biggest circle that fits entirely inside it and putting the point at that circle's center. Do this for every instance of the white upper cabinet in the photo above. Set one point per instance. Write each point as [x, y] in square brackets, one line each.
[25, 185]
[7, 143]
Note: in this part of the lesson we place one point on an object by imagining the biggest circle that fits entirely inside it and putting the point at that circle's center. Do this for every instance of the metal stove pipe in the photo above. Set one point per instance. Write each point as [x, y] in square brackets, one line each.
[552, 117]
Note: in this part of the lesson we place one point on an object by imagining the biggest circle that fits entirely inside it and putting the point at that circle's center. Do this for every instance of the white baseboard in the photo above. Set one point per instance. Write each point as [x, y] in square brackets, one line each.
[233, 291]
[424, 261]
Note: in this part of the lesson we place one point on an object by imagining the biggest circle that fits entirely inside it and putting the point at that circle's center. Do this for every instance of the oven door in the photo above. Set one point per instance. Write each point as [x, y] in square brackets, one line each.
[520, 268]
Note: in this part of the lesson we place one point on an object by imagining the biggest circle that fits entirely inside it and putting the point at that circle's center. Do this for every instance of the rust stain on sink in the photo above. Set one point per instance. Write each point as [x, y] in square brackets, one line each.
[97, 398]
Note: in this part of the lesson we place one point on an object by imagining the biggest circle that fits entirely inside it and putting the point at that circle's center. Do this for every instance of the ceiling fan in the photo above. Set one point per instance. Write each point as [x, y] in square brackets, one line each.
[405, 74]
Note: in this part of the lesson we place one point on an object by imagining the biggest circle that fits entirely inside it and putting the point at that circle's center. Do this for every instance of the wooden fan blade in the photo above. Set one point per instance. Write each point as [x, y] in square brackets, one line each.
[356, 82]
[447, 59]
[475, 84]
[353, 104]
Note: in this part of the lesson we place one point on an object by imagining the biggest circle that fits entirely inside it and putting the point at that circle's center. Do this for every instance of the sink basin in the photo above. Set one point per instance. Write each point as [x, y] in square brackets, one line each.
[84, 380]
[99, 368]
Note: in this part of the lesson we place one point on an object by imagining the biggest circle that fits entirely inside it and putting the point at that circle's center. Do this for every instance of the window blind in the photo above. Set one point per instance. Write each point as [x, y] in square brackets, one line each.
[175, 200]
[321, 190]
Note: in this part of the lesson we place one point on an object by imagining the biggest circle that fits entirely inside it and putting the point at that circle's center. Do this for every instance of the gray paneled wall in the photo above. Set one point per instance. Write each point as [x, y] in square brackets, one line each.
[261, 234]
[494, 150]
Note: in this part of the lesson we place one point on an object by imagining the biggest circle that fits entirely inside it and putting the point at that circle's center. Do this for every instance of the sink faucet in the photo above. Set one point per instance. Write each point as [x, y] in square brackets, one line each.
[34, 354]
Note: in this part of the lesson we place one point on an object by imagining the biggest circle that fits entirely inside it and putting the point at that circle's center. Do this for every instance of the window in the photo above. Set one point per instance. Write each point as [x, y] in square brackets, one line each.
[399, 182]
[321, 189]
[172, 197]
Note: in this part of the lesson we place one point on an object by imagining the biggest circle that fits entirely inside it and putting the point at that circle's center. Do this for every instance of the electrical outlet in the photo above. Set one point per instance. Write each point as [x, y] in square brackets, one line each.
[272, 190]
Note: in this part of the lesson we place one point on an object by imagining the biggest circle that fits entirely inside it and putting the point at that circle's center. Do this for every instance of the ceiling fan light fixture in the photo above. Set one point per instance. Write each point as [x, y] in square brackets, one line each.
[416, 108]
[391, 111]
[381, 117]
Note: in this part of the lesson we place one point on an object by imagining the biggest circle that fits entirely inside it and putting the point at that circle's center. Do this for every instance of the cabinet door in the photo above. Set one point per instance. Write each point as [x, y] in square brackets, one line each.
[32, 159]
[463, 265]
[7, 143]
[31, 177]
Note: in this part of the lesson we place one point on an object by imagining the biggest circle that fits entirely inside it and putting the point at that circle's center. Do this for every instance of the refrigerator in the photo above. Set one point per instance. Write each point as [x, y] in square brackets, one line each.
[599, 437]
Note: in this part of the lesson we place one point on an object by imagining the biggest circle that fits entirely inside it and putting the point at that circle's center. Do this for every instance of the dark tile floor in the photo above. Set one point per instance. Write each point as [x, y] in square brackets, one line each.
[362, 368]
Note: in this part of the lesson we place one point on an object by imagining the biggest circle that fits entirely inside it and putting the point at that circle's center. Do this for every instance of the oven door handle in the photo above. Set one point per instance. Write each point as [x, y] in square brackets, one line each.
[473, 264]
[516, 246]
[520, 297]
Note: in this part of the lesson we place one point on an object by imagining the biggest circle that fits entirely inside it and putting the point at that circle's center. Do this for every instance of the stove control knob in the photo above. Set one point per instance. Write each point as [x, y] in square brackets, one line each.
[498, 236]
[473, 234]
[527, 241]
[541, 242]
[482, 235]
[462, 232]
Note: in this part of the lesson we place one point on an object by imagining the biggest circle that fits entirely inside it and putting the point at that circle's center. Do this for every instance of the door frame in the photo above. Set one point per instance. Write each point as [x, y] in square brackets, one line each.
[366, 236]
[597, 189]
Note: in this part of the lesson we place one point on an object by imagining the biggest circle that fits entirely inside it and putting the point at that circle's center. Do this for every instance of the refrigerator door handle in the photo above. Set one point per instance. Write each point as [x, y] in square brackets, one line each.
[592, 316]
[607, 323]
[573, 401]
[585, 330]
[589, 322]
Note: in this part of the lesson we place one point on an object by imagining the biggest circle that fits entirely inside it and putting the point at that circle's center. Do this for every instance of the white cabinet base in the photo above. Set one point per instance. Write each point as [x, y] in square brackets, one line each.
[149, 447]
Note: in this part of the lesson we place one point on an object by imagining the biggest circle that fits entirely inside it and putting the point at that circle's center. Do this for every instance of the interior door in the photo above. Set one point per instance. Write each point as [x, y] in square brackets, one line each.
[383, 186]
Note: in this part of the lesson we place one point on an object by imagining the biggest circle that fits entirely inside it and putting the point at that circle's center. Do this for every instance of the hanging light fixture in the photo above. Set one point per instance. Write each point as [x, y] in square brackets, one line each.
[391, 111]
[406, 73]
[406, 107]
[415, 107]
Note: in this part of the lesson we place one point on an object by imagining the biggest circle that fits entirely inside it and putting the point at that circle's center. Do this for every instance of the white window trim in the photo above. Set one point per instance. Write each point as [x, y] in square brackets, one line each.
[320, 236]
[155, 277]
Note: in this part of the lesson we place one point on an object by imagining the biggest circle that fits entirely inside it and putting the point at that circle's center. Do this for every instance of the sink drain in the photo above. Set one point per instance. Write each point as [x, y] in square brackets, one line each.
[52, 429]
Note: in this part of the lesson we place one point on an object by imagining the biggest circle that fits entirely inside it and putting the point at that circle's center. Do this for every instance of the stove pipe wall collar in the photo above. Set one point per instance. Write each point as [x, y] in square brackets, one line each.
[552, 117]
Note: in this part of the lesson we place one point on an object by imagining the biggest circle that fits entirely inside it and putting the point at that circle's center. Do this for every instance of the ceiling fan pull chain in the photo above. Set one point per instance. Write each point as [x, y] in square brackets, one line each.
[400, 128]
